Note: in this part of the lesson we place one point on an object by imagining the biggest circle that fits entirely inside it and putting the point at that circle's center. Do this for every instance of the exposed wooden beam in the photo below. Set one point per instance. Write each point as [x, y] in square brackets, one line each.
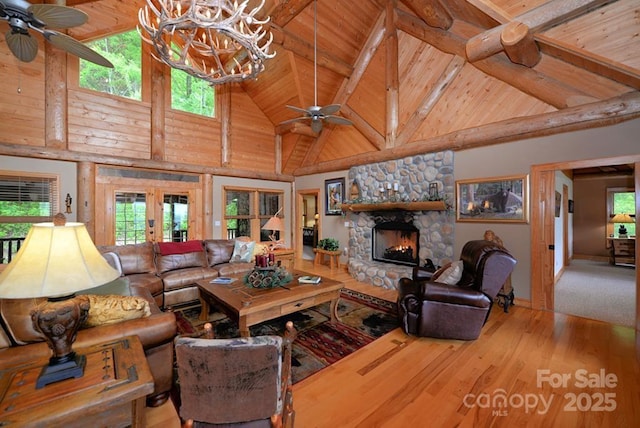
[432, 12]
[519, 44]
[589, 61]
[547, 89]
[594, 115]
[431, 99]
[278, 154]
[69, 156]
[295, 128]
[543, 17]
[286, 11]
[392, 80]
[369, 132]
[446, 41]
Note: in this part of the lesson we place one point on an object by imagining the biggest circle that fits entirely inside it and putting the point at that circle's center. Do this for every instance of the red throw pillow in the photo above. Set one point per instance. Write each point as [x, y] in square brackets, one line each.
[169, 248]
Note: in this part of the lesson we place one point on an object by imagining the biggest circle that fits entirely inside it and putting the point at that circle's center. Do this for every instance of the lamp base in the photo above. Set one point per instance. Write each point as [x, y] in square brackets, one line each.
[55, 371]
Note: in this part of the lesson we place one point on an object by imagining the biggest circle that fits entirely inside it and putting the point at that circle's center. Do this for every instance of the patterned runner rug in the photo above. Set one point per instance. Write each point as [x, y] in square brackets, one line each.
[320, 343]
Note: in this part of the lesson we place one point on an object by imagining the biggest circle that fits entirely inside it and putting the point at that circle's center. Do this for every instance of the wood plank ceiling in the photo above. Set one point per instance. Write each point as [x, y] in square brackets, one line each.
[423, 75]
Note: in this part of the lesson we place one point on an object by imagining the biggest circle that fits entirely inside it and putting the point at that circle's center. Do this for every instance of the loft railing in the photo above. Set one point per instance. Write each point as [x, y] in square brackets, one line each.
[10, 247]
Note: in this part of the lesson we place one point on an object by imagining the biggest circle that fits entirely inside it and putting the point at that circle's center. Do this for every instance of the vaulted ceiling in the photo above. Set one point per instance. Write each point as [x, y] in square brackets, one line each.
[421, 75]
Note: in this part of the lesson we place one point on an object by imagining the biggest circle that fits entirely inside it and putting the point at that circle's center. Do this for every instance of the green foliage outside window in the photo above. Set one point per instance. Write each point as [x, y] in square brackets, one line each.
[125, 78]
[191, 94]
[625, 203]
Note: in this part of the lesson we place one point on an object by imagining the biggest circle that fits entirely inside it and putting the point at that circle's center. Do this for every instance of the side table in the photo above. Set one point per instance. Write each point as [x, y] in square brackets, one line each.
[334, 257]
[286, 256]
[111, 393]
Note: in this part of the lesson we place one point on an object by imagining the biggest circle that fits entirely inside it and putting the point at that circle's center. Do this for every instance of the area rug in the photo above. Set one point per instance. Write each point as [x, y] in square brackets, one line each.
[320, 343]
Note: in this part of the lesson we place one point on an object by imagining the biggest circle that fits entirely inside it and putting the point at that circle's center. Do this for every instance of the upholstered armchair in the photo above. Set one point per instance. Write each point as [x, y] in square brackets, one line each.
[241, 382]
[459, 310]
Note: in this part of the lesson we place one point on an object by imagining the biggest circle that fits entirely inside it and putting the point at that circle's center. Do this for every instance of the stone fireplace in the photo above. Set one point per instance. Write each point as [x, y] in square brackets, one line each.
[409, 178]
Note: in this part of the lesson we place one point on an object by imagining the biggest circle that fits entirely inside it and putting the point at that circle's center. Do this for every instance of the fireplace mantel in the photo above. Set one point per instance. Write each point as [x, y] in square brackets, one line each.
[389, 206]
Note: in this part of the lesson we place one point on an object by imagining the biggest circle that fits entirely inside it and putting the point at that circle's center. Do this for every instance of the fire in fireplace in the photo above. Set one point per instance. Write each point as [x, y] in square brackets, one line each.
[396, 242]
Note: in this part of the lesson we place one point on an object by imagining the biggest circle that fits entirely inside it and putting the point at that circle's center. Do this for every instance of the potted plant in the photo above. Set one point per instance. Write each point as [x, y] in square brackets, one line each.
[329, 244]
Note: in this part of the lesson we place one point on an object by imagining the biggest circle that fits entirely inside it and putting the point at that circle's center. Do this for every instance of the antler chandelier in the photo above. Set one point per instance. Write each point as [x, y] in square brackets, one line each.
[215, 40]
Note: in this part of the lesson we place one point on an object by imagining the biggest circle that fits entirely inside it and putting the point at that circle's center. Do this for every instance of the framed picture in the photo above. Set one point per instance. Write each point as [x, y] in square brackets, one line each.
[496, 199]
[334, 191]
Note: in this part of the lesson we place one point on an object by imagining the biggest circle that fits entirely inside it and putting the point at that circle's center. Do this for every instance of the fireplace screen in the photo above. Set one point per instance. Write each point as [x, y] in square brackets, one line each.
[396, 242]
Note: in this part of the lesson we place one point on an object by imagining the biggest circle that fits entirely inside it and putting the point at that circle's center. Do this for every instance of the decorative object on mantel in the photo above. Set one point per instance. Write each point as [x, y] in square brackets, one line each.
[267, 277]
[355, 190]
[214, 40]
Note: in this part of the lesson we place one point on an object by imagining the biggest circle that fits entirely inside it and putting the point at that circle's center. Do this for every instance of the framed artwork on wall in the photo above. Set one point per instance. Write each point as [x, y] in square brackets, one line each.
[334, 196]
[496, 199]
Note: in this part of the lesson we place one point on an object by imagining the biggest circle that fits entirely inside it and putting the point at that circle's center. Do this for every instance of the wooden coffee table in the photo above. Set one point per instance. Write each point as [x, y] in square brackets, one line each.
[249, 306]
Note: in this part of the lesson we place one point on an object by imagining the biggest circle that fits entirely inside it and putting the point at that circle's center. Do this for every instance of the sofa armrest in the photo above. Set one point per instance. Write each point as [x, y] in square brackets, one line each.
[445, 293]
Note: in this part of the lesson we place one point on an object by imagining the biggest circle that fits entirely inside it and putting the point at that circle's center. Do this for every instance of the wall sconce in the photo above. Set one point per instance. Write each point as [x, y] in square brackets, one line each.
[67, 202]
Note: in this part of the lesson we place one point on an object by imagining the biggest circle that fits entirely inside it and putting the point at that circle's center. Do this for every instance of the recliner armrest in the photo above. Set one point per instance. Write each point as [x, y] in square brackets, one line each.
[445, 293]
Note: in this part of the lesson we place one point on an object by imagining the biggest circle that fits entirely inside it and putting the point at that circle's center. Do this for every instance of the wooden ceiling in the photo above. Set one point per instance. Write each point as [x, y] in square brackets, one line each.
[425, 75]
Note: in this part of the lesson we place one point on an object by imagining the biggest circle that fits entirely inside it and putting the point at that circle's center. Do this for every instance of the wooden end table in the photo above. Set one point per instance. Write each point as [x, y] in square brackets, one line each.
[334, 257]
[249, 306]
[111, 393]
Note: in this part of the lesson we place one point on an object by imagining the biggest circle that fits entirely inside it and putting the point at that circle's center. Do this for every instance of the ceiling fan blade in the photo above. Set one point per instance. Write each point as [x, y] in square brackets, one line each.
[76, 48]
[339, 120]
[22, 46]
[298, 109]
[316, 126]
[297, 119]
[58, 16]
[330, 109]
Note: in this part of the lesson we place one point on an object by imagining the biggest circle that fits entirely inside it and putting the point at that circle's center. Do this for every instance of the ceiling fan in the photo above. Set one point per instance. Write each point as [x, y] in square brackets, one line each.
[23, 16]
[318, 114]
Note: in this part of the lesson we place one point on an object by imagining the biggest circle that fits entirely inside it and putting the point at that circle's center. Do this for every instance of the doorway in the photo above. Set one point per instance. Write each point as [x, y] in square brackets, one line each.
[308, 223]
[542, 226]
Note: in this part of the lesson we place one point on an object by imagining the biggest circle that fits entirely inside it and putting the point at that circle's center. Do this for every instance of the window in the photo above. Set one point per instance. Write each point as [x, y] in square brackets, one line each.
[190, 94]
[176, 218]
[246, 211]
[24, 200]
[125, 78]
[131, 218]
[621, 201]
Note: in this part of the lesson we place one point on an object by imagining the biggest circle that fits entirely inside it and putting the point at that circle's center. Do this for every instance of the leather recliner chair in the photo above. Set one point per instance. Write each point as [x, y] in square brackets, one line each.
[432, 309]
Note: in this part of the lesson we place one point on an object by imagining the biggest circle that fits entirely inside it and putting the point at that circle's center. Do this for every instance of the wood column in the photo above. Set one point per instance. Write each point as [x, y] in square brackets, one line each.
[207, 202]
[55, 96]
[159, 90]
[391, 75]
[86, 197]
[223, 95]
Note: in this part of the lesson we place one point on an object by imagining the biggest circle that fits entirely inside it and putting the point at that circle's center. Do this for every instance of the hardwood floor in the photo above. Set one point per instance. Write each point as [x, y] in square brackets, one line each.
[528, 368]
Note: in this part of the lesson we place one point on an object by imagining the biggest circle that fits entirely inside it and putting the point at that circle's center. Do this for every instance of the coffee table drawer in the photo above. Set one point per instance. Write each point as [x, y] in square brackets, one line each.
[298, 305]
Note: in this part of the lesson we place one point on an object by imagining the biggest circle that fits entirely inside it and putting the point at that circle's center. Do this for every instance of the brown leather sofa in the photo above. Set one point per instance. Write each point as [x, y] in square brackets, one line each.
[170, 270]
[458, 311]
[19, 340]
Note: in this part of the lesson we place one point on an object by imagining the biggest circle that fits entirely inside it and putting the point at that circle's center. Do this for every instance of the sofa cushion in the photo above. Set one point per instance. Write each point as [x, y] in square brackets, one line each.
[186, 277]
[449, 274]
[227, 269]
[134, 258]
[110, 309]
[166, 263]
[218, 250]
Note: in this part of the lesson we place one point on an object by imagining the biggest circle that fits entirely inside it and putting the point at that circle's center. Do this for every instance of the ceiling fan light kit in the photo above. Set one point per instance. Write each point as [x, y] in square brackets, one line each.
[315, 113]
[214, 40]
[23, 16]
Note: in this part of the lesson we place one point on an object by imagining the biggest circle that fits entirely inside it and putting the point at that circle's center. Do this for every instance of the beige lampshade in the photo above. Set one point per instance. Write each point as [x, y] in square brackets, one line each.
[622, 218]
[55, 261]
[274, 223]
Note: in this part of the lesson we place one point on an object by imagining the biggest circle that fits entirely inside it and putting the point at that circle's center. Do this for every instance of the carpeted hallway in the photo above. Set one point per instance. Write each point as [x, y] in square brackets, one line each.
[597, 290]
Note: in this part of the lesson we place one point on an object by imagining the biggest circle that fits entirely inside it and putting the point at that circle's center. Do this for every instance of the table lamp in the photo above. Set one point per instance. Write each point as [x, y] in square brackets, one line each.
[274, 224]
[621, 219]
[55, 261]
